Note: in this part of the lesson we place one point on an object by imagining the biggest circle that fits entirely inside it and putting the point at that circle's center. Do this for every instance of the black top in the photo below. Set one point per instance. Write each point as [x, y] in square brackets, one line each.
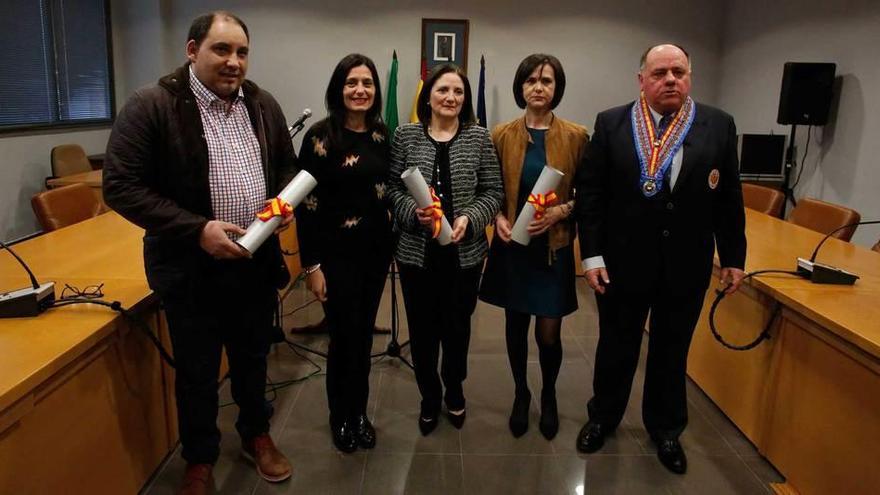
[442, 181]
[347, 212]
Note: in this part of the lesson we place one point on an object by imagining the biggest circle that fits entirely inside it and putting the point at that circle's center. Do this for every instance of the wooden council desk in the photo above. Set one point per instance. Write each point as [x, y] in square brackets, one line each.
[808, 398]
[86, 406]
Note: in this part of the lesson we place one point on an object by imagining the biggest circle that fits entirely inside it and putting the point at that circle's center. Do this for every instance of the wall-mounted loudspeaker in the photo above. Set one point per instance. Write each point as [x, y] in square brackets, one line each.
[805, 98]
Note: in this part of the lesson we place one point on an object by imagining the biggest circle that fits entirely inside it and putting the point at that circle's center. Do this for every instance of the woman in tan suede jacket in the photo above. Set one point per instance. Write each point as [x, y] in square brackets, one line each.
[538, 279]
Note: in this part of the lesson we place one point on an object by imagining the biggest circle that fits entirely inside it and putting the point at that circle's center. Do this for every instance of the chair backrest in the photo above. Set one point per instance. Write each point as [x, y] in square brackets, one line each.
[763, 199]
[69, 159]
[824, 217]
[65, 205]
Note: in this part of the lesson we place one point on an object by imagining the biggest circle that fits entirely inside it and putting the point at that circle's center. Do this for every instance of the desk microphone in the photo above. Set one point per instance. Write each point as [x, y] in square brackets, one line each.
[820, 273]
[29, 301]
[300, 123]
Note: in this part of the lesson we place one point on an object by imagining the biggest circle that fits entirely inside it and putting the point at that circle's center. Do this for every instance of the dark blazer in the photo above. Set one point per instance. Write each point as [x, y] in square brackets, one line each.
[156, 176]
[672, 236]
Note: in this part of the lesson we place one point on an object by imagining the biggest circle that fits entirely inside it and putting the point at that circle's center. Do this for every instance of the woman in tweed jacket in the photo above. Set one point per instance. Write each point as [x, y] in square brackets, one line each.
[439, 283]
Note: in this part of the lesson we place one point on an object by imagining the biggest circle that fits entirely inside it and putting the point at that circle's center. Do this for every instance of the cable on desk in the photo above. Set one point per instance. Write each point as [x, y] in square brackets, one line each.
[765, 333]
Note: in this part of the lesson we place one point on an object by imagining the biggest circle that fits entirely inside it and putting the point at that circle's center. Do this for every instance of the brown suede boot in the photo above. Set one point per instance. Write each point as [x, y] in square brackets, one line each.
[271, 463]
[197, 480]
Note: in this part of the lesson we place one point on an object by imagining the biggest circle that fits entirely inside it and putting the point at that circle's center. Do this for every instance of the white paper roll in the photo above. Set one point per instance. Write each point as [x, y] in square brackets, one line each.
[418, 189]
[294, 192]
[547, 182]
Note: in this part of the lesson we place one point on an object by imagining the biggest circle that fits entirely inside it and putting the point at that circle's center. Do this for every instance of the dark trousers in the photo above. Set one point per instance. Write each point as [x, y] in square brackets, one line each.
[440, 299]
[233, 309]
[354, 290]
[674, 314]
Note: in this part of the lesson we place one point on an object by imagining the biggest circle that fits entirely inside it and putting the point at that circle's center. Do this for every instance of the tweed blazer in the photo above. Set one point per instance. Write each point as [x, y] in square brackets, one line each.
[477, 190]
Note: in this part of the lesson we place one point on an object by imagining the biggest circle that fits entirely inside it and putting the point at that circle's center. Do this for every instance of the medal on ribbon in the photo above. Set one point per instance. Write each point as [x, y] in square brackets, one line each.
[656, 152]
[541, 202]
[275, 207]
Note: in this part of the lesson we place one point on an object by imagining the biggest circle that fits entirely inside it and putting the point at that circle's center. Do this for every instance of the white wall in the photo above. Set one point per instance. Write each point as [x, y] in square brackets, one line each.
[296, 44]
[843, 165]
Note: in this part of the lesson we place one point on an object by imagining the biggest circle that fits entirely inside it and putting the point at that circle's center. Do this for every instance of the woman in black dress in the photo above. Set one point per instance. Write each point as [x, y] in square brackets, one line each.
[537, 279]
[345, 237]
[456, 157]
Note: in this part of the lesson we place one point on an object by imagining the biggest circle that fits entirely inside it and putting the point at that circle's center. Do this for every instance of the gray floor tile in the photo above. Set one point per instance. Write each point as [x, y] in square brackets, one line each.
[320, 474]
[512, 474]
[718, 475]
[396, 418]
[418, 474]
[764, 471]
[619, 475]
[483, 458]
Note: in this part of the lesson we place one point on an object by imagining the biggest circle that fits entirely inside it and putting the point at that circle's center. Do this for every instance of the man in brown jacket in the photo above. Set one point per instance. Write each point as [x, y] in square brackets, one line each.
[191, 160]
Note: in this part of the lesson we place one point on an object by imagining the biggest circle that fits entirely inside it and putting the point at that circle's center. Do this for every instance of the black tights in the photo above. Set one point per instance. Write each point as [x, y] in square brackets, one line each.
[547, 336]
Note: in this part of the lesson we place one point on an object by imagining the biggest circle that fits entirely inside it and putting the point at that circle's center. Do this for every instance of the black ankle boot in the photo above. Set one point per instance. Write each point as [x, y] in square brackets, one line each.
[549, 424]
[519, 414]
[344, 436]
[364, 432]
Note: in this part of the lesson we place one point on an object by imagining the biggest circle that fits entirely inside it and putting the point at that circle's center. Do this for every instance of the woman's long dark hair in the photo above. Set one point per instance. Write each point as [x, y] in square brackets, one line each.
[332, 125]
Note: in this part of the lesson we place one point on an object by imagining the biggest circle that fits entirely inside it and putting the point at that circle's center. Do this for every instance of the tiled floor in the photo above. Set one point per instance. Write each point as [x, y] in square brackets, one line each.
[482, 458]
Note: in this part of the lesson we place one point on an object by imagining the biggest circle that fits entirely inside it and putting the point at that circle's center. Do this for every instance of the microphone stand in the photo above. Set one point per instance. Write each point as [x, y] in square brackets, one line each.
[787, 191]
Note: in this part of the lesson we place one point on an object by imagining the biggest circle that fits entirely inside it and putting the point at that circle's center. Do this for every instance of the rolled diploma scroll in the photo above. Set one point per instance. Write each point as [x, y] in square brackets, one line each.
[293, 193]
[418, 189]
[547, 182]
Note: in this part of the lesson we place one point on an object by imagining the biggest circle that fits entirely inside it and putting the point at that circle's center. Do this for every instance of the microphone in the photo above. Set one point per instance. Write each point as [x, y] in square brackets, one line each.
[29, 301]
[300, 122]
[820, 273]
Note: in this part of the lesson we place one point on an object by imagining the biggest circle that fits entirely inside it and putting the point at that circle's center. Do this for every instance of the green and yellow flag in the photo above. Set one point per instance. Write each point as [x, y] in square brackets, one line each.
[391, 117]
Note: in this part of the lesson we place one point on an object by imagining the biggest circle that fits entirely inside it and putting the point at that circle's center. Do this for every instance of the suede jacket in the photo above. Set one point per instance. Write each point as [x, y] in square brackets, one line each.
[565, 143]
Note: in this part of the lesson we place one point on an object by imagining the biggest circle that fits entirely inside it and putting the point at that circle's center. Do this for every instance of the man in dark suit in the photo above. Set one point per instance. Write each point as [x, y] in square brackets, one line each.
[658, 191]
[192, 160]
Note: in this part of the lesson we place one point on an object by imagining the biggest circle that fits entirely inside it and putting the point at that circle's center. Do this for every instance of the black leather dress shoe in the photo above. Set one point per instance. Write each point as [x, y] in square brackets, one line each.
[457, 420]
[344, 437]
[672, 456]
[364, 432]
[427, 423]
[591, 438]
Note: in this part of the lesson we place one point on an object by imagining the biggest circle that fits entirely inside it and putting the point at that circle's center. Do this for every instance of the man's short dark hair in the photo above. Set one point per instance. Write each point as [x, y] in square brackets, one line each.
[200, 26]
[525, 69]
[644, 58]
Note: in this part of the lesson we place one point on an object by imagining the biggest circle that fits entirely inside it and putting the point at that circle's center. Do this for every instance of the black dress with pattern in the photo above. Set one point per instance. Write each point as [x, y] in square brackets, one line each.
[344, 225]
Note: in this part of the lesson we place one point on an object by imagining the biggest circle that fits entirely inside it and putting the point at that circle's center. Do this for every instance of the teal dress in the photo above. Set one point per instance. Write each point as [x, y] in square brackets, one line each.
[528, 279]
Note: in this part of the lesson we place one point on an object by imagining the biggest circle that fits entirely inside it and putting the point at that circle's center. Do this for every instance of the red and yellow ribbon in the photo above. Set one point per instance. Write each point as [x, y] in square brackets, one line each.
[541, 202]
[275, 207]
[436, 213]
[657, 143]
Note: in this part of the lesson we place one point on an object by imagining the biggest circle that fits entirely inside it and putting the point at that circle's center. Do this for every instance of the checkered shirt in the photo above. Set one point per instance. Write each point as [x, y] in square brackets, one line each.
[235, 170]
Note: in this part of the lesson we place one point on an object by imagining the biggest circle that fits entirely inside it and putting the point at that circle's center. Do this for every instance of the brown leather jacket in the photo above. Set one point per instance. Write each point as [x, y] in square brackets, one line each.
[565, 143]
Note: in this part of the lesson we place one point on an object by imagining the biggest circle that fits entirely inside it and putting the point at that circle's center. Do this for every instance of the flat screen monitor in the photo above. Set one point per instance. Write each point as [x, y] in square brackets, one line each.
[761, 156]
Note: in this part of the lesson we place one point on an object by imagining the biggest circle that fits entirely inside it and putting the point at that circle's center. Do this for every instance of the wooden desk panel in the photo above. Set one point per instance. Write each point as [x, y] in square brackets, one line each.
[809, 398]
[83, 397]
